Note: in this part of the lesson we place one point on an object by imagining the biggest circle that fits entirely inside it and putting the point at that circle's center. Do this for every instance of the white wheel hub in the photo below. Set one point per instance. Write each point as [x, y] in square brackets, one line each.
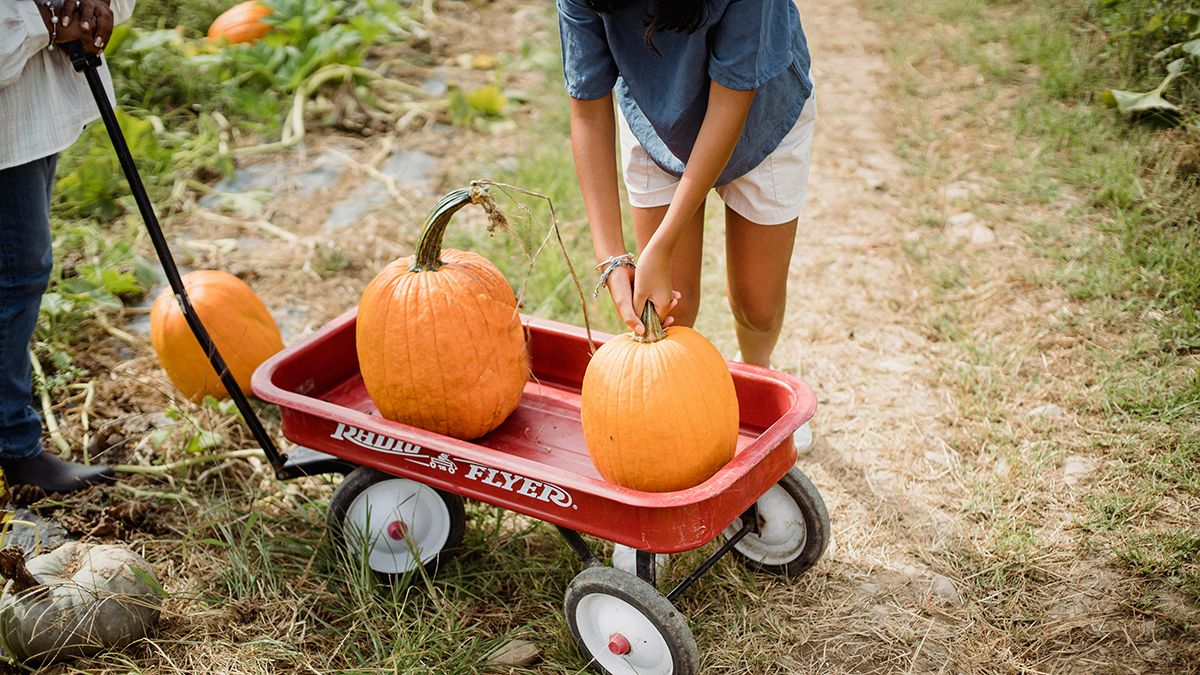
[620, 638]
[781, 534]
[398, 523]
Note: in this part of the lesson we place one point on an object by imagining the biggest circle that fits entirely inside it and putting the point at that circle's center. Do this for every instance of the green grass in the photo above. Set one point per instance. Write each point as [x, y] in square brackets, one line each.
[1127, 253]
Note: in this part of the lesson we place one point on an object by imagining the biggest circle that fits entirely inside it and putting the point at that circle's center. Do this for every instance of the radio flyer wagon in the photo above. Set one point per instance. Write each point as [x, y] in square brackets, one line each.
[401, 501]
[403, 504]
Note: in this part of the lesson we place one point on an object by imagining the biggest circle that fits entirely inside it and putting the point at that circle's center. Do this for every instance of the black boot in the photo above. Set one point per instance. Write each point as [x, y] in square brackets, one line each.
[53, 474]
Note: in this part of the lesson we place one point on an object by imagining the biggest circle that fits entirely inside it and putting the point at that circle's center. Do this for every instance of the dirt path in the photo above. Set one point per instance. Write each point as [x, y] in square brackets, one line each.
[853, 332]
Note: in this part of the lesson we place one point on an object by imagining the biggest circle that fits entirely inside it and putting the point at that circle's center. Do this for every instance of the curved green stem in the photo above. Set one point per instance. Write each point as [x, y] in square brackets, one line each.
[654, 328]
[429, 246]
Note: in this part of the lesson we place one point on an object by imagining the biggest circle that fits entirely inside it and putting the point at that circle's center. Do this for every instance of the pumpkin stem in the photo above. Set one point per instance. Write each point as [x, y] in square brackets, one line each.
[429, 246]
[12, 566]
[654, 328]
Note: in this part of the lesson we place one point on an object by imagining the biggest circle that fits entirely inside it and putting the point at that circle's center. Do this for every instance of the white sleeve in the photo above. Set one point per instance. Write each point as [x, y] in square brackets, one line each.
[22, 34]
[122, 10]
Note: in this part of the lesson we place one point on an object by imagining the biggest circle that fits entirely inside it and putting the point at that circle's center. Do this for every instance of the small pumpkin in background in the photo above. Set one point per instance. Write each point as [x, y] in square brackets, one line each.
[241, 23]
[440, 343]
[77, 600]
[239, 323]
[660, 412]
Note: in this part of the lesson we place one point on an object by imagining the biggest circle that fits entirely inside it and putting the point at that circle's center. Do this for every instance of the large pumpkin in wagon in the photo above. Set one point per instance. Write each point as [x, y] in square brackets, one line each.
[659, 411]
[440, 342]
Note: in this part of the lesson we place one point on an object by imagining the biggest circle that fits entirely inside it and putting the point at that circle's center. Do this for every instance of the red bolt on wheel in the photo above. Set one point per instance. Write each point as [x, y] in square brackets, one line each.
[617, 644]
[396, 530]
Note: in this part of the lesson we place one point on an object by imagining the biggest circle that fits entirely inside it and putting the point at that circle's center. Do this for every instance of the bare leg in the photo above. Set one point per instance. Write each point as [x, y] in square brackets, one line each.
[685, 261]
[757, 259]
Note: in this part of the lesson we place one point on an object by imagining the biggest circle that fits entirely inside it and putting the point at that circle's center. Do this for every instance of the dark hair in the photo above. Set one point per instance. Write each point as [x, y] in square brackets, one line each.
[682, 16]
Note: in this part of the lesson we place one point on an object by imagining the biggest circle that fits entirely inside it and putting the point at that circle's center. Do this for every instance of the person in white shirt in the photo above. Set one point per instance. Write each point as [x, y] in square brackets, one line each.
[44, 105]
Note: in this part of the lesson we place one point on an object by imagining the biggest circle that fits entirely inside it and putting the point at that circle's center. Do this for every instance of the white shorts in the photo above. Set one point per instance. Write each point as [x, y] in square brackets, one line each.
[772, 193]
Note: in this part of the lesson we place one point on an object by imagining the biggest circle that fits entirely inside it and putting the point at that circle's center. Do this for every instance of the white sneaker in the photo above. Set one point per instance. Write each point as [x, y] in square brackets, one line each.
[803, 438]
[624, 558]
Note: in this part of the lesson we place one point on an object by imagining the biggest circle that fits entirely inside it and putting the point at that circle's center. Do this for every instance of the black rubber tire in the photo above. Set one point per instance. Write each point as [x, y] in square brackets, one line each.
[814, 534]
[362, 478]
[651, 604]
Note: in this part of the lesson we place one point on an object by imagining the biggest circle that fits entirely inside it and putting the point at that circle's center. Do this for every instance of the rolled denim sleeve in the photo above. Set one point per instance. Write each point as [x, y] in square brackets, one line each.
[588, 65]
[751, 43]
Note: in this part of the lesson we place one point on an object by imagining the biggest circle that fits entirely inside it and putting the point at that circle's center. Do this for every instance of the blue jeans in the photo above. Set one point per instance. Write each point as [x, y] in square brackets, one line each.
[25, 262]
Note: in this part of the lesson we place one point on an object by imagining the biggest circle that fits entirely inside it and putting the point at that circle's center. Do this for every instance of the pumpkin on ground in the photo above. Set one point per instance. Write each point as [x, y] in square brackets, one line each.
[659, 411]
[440, 343]
[238, 322]
[76, 600]
[241, 23]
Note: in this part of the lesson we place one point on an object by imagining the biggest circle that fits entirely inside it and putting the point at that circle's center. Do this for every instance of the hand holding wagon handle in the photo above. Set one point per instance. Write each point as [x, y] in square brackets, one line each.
[89, 22]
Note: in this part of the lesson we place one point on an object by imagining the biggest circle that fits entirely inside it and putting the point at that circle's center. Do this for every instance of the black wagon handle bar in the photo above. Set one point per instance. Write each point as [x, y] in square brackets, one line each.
[87, 64]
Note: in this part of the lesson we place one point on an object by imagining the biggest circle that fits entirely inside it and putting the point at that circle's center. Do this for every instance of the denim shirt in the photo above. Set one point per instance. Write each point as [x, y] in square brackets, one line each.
[742, 44]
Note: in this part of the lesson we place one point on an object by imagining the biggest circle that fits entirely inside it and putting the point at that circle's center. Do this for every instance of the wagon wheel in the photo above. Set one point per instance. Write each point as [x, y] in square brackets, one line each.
[626, 627]
[793, 528]
[396, 523]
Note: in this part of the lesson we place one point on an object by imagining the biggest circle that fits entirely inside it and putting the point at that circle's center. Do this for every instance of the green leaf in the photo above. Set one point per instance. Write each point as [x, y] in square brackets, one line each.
[203, 441]
[488, 100]
[149, 580]
[55, 305]
[1134, 102]
[158, 437]
[145, 272]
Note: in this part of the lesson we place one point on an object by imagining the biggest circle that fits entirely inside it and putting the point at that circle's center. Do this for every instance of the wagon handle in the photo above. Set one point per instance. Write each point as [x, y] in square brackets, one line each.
[87, 65]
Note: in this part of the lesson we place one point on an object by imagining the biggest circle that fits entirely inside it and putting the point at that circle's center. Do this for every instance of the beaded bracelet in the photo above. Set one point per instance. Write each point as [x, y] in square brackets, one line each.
[610, 264]
[49, 5]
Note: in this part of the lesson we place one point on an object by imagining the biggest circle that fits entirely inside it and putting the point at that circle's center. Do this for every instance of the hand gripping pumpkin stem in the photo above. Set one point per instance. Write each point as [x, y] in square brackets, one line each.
[654, 328]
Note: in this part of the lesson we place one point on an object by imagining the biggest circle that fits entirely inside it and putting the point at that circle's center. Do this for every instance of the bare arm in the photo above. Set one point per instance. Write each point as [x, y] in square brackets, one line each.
[593, 140]
[593, 134]
[719, 133]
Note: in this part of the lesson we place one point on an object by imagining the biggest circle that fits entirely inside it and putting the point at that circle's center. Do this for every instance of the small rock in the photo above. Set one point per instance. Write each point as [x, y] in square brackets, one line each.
[355, 207]
[435, 85]
[517, 653]
[965, 228]
[875, 182]
[1001, 468]
[959, 192]
[943, 589]
[939, 458]
[870, 588]
[1075, 468]
[410, 168]
[39, 535]
[1049, 411]
[961, 219]
[981, 235]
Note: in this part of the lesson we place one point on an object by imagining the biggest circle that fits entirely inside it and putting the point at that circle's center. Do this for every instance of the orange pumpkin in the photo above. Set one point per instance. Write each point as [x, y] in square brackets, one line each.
[241, 23]
[238, 322]
[440, 342]
[659, 411]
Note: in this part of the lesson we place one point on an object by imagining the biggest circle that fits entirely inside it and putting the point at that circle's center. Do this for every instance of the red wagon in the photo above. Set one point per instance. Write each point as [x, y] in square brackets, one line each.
[403, 504]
